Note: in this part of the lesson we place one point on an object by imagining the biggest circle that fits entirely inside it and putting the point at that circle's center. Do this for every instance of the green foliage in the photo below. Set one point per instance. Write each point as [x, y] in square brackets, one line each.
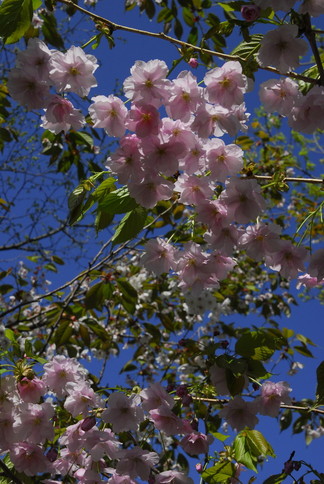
[249, 446]
[15, 19]
[219, 473]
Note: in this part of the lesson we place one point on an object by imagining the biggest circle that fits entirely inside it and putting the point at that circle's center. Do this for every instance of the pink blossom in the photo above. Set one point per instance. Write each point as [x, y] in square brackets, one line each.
[73, 437]
[279, 95]
[226, 85]
[184, 97]
[284, 5]
[272, 395]
[194, 160]
[260, 240]
[137, 462]
[196, 443]
[100, 443]
[309, 282]
[35, 58]
[173, 477]
[308, 113]
[212, 213]
[223, 160]
[144, 119]
[27, 89]
[240, 414]
[166, 420]
[281, 48]
[220, 265]
[219, 380]
[60, 115]
[316, 264]
[126, 161]
[224, 239]
[28, 458]
[117, 479]
[162, 155]
[80, 398]
[193, 189]
[109, 113]
[33, 422]
[250, 12]
[193, 62]
[7, 435]
[158, 256]
[313, 7]
[215, 120]
[123, 412]
[88, 476]
[287, 259]
[73, 71]
[60, 371]
[154, 396]
[150, 190]
[31, 390]
[148, 83]
[243, 199]
[192, 268]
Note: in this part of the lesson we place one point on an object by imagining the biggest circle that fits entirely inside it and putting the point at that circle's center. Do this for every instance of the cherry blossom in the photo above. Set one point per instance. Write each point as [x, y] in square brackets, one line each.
[196, 443]
[60, 115]
[137, 462]
[109, 113]
[123, 412]
[279, 95]
[148, 82]
[173, 477]
[272, 395]
[243, 199]
[158, 257]
[226, 85]
[31, 390]
[284, 5]
[240, 414]
[73, 71]
[28, 458]
[27, 89]
[281, 48]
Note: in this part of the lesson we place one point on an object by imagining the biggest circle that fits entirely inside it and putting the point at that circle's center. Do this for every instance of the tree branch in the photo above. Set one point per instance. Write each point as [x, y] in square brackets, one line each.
[287, 179]
[7, 472]
[113, 26]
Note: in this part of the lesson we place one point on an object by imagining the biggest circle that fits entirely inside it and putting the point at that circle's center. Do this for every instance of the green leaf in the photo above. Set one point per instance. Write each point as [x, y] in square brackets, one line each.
[129, 295]
[257, 345]
[188, 16]
[10, 335]
[259, 444]
[275, 479]
[242, 452]
[248, 49]
[97, 295]
[130, 225]
[118, 201]
[15, 19]
[49, 29]
[303, 350]
[98, 330]
[320, 383]
[63, 333]
[221, 472]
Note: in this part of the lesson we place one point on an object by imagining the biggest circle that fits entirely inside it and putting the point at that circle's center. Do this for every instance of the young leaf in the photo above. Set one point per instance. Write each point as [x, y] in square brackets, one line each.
[15, 19]
[130, 225]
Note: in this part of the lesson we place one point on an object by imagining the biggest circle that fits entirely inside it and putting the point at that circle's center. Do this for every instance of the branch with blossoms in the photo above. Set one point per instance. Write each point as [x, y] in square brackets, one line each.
[112, 26]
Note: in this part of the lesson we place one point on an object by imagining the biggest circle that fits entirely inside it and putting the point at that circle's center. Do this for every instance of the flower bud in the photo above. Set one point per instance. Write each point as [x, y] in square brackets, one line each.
[88, 423]
[250, 12]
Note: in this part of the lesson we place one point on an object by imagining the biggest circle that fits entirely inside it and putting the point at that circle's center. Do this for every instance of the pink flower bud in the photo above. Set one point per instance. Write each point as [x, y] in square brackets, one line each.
[193, 62]
[88, 423]
[199, 468]
[250, 12]
[52, 455]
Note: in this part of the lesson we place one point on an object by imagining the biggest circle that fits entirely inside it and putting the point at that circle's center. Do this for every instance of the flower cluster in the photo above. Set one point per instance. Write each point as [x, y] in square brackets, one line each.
[38, 69]
[30, 431]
